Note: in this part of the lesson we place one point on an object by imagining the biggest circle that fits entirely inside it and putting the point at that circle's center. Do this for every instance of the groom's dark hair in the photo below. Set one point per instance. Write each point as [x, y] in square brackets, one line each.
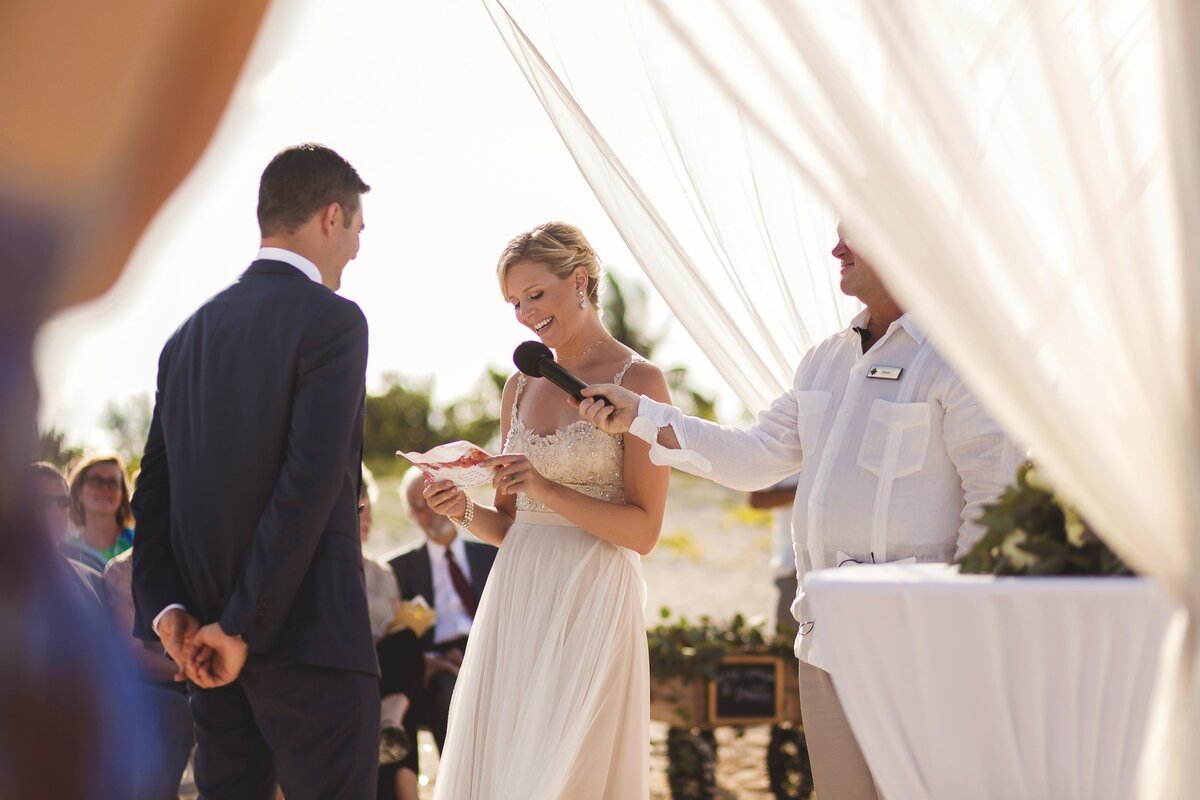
[302, 180]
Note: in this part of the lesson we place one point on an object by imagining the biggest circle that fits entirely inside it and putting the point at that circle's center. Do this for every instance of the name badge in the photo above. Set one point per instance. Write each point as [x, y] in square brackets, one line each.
[885, 373]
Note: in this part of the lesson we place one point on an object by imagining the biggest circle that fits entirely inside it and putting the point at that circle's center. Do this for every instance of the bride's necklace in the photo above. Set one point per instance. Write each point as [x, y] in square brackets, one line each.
[585, 350]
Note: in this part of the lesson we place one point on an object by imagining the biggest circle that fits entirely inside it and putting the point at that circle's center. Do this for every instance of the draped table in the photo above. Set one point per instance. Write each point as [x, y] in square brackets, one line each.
[975, 686]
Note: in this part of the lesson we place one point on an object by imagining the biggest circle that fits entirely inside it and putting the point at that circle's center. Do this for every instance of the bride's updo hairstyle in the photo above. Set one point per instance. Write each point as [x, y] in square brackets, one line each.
[560, 248]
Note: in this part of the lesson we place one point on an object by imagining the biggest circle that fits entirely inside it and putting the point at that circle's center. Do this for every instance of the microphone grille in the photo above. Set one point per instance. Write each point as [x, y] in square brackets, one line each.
[528, 355]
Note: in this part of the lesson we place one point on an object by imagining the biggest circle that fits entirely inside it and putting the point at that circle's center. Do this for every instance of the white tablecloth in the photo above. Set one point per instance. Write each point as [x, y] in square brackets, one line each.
[965, 686]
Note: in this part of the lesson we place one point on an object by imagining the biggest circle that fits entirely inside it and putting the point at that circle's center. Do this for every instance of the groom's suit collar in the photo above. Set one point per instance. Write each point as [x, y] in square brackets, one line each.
[278, 261]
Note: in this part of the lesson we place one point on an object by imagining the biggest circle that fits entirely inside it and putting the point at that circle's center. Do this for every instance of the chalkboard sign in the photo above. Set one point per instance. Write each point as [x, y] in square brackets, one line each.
[747, 689]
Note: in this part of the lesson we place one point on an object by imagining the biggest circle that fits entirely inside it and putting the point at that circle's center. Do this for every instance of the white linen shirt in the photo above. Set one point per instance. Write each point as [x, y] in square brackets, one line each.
[453, 620]
[890, 470]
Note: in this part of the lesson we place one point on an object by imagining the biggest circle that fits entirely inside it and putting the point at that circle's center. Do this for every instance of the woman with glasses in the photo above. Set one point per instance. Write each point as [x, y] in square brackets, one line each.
[99, 510]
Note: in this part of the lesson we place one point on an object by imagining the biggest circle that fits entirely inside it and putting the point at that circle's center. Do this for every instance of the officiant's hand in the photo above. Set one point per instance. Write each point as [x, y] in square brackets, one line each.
[444, 498]
[515, 474]
[613, 417]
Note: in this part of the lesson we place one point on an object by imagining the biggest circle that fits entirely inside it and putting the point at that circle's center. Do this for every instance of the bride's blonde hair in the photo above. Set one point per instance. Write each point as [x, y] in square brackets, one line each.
[561, 248]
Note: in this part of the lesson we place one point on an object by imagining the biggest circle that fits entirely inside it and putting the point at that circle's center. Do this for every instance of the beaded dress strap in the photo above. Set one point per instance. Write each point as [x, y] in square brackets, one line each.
[521, 379]
[621, 375]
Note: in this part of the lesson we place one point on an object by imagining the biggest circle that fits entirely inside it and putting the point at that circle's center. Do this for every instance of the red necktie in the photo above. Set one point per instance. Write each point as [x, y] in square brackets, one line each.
[461, 585]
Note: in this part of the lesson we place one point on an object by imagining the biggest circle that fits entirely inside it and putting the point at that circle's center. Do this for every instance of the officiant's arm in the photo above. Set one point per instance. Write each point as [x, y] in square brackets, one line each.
[742, 459]
[634, 523]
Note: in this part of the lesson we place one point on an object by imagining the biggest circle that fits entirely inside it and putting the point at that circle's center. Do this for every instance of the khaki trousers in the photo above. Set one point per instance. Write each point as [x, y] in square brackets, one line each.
[839, 770]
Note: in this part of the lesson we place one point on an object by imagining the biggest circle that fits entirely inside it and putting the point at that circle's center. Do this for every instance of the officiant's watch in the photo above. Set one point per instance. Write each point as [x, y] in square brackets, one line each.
[468, 516]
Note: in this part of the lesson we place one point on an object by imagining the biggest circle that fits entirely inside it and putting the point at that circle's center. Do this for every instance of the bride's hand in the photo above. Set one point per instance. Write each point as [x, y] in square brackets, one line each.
[446, 499]
[515, 474]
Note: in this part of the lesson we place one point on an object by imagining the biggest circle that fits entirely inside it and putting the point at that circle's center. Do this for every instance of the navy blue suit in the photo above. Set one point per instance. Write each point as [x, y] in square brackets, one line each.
[414, 573]
[246, 513]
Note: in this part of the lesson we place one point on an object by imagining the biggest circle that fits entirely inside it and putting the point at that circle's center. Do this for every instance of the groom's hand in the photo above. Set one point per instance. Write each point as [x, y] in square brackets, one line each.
[176, 630]
[215, 658]
[616, 415]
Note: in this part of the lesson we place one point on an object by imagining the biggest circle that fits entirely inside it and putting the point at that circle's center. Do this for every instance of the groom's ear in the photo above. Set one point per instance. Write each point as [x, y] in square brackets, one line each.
[331, 218]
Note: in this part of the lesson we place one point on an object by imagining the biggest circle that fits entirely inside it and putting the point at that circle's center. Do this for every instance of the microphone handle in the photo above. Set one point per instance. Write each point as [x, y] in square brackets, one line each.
[553, 372]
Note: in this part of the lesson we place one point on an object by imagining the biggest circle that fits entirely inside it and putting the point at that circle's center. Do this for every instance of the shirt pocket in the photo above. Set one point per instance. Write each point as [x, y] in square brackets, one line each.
[896, 439]
[810, 413]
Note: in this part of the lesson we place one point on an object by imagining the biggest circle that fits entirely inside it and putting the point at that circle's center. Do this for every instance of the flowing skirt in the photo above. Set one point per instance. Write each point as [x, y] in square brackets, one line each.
[553, 698]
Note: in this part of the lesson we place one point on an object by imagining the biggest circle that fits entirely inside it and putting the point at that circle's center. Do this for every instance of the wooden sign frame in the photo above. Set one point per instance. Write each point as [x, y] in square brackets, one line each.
[774, 661]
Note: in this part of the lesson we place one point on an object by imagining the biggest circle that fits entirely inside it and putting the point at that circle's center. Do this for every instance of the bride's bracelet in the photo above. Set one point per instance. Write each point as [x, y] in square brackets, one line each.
[468, 516]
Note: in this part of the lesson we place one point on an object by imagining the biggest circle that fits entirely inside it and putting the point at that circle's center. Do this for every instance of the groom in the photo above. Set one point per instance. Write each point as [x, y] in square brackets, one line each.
[248, 565]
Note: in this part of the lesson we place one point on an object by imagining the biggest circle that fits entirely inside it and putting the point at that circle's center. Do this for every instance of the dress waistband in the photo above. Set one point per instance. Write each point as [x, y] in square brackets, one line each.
[544, 518]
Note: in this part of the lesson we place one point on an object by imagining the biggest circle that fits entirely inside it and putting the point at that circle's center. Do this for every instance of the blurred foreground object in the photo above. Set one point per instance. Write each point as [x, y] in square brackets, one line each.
[107, 107]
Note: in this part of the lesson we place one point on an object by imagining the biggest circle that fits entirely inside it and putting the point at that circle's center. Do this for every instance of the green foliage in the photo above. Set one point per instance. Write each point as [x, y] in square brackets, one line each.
[739, 515]
[693, 650]
[1030, 530]
[404, 418]
[625, 317]
[52, 447]
[680, 543]
[129, 424]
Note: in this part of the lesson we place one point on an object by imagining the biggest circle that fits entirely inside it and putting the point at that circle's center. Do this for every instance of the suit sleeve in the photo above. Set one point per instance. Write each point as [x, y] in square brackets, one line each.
[157, 581]
[326, 405]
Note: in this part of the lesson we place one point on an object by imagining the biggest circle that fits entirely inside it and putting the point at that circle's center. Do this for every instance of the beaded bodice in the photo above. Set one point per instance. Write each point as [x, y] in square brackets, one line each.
[579, 456]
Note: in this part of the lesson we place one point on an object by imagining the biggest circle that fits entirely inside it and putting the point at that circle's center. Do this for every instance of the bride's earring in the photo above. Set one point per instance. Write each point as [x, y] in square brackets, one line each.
[581, 300]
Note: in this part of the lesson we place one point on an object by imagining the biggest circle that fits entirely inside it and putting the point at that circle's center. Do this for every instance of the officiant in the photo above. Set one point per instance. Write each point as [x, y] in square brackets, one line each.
[896, 459]
[449, 572]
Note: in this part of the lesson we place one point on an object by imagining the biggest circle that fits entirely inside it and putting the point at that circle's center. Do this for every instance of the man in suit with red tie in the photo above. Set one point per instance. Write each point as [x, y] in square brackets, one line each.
[450, 573]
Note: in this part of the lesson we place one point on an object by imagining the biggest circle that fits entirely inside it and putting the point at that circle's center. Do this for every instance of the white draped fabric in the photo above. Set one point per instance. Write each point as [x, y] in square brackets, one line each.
[1021, 171]
[729, 234]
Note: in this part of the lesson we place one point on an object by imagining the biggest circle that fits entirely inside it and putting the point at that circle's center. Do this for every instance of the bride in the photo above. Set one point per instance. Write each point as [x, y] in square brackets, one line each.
[553, 695]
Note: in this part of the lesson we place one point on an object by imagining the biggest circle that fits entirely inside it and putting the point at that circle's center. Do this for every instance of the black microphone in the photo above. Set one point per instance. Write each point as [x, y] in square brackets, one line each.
[536, 361]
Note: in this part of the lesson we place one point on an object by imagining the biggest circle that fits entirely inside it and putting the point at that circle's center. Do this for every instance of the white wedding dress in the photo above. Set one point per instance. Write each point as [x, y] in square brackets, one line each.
[553, 698]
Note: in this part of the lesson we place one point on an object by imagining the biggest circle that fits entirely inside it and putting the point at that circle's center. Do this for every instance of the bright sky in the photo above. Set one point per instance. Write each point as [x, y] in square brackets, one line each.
[425, 100]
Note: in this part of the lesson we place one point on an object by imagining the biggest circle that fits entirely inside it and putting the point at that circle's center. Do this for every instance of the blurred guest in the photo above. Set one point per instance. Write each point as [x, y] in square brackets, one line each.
[167, 736]
[449, 573]
[779, 499]
[383, 593]
[44, 692]
[51, 501]
[401, 665]
[99, 510]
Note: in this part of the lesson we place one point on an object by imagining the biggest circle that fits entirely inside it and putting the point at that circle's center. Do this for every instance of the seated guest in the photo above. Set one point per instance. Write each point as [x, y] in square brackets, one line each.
[99, 510]
[168, 736]
[64, 614]
[51, 501]
[164, 732]
[401, 666]
[450, 573]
